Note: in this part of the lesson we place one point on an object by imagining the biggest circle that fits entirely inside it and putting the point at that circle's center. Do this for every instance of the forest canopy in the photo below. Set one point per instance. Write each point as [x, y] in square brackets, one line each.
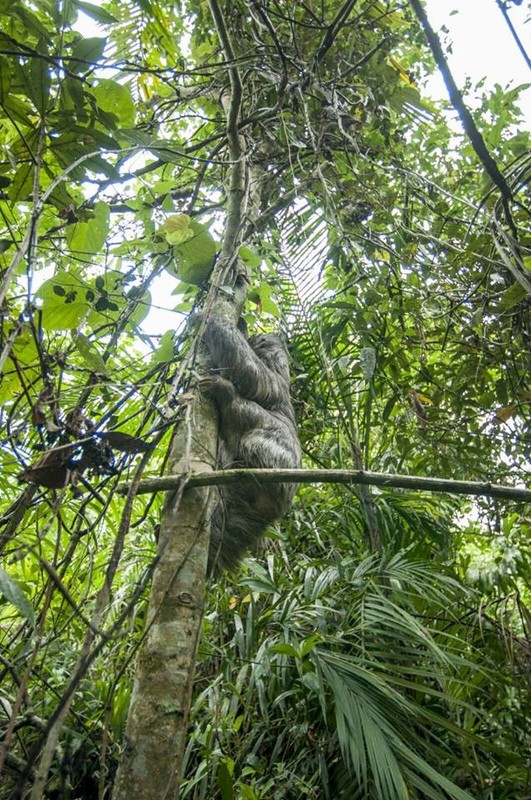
[283, 163]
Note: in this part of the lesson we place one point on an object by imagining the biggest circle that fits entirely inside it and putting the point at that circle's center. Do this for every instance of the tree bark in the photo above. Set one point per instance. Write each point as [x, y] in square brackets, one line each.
[157, 723]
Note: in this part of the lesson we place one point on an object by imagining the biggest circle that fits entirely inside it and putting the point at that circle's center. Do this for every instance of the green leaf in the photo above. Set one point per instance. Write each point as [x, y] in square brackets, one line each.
[40, 81]
[249, 258]
[409, 96]
[65, 300]
[87, 238]
[5, 78]
[17, 109]
[27, 356]
[70, 147]
[389, 407]
[95, 12]
[72, 96]
[225, 781]
[22, 183]
[512, 296]
[309, 644]
[262, 297]
[286, 649]
[5, 244]
[115, 98]
[195, 255]
[311, 681]
[13, 593]
[88, 51]
[165, 352]
[89, 353]
[30, 21]
[111, 299]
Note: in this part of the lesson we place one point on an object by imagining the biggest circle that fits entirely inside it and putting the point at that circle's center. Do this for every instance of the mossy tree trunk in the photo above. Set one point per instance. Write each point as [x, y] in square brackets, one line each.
[157, 723]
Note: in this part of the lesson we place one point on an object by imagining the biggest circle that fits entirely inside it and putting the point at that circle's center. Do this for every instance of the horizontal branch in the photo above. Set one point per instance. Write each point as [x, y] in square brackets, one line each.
[231, 476]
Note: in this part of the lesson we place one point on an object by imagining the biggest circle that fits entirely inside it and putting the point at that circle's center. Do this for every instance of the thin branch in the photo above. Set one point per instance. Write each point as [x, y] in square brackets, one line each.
[101, 606]
[265, 21]
[333, 31]
[387, 481]
[233, 115]
[236, 190]
[503, 8]
[456, 98]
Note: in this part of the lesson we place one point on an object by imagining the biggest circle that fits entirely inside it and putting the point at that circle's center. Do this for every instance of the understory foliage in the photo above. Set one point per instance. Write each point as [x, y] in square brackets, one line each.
[377, 647]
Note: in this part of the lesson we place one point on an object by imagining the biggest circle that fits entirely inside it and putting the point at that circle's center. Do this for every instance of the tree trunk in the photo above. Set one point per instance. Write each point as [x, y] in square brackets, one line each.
[157, 722]
[158, 716]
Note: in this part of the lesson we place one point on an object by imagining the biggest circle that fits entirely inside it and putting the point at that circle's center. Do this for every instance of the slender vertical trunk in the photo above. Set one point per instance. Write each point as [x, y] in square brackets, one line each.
[157, 723]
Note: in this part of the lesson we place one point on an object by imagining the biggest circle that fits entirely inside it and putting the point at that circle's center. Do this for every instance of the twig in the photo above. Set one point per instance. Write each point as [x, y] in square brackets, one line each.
[37, 209]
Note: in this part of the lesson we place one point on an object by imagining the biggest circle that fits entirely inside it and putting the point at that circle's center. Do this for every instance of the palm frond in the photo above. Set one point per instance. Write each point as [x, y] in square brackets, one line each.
[374, 725]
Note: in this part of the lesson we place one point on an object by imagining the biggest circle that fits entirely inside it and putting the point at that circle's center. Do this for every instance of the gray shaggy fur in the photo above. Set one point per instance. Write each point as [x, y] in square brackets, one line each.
[257, 429]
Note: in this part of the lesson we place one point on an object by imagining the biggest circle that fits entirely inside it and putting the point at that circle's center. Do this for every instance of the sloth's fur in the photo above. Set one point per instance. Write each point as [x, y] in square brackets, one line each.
[249, 385]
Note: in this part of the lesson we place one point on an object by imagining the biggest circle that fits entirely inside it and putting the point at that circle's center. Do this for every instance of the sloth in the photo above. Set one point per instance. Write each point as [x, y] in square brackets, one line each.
[249, 385]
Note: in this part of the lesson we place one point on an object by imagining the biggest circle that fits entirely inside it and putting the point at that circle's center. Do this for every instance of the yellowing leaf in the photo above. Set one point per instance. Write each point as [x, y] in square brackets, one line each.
[177, 229]
[419, 409]
[404, 74]
[504, 413]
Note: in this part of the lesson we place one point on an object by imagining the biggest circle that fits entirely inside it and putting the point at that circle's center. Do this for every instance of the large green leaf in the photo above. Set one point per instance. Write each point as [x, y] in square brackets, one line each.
[65, 301]
[115, 98]
[95, 12]
[13, 592]
[194, 248]
[87, 51]
[85, 238]
[40, 81]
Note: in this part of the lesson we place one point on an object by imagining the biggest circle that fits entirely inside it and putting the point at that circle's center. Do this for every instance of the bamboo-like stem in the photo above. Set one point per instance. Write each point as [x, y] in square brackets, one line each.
[351, 477]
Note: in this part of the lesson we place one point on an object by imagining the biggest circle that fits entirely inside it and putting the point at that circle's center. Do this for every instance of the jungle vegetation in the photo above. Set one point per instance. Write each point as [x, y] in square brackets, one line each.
[377, 646]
